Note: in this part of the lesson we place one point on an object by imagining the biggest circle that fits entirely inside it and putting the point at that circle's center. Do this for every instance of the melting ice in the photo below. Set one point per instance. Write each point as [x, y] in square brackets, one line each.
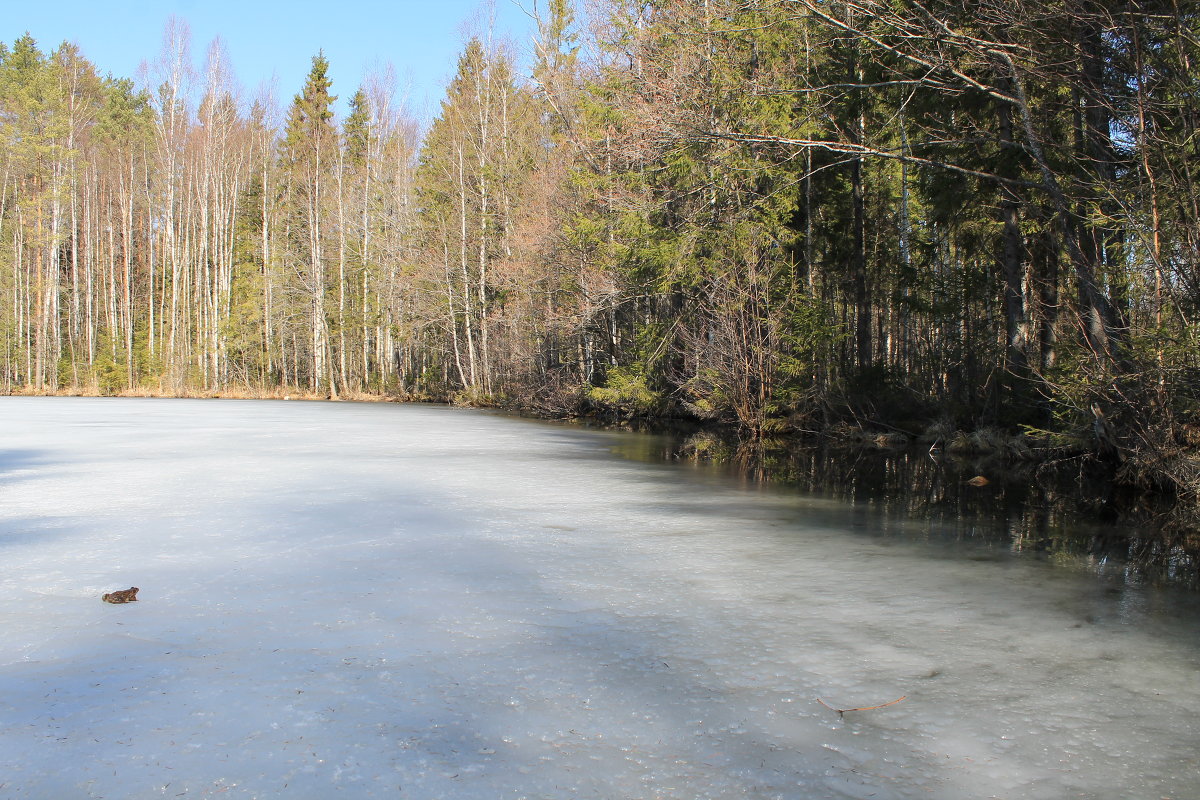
[402, 601]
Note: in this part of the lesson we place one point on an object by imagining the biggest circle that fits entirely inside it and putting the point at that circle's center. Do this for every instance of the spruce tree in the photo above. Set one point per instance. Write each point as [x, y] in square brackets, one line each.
[307, 157]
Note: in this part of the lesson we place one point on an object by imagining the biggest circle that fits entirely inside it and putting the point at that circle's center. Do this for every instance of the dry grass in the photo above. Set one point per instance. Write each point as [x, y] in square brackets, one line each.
[984, 441]
[939, 433]
[226, 393]
[891, 441]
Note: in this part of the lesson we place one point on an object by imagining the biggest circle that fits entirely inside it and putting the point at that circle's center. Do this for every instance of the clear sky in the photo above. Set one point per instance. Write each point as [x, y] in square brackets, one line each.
[275, 40]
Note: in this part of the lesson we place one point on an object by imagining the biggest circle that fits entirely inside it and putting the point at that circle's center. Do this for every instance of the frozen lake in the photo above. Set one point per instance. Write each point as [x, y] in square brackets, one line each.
[402, 601]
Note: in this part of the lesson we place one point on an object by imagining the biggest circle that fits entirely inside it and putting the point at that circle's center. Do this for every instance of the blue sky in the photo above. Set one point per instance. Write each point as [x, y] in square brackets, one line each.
[275, 40]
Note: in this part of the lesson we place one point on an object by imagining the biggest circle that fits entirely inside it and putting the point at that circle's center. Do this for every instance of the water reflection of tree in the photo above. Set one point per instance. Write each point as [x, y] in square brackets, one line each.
[1053, 511]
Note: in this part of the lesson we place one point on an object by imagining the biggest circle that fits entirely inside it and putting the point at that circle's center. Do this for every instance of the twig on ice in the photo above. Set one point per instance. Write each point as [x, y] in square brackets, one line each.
[842, 711]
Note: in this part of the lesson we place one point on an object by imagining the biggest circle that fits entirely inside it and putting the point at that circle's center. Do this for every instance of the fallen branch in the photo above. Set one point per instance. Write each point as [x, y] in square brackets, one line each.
[842, 711]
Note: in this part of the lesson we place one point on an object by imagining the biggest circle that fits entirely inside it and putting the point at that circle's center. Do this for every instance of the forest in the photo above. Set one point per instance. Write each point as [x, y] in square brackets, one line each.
[973, 222]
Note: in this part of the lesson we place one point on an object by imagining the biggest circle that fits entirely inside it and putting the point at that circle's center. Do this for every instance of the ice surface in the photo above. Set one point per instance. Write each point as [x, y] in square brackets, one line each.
[402, 601]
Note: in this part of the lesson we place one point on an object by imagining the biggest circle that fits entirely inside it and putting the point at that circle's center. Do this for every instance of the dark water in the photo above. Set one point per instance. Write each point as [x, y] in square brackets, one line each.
[1056, 513]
